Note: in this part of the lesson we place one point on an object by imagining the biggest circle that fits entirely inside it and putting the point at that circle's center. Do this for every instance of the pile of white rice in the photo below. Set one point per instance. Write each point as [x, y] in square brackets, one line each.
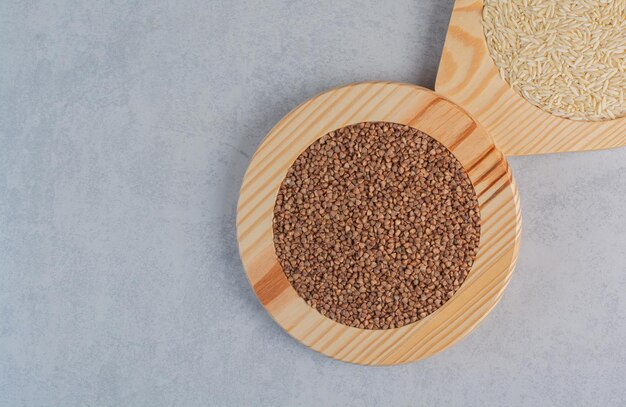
[567, 57]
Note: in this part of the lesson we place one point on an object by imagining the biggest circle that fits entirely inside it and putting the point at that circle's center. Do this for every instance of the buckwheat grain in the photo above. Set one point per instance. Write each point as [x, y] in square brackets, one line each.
[376, 225]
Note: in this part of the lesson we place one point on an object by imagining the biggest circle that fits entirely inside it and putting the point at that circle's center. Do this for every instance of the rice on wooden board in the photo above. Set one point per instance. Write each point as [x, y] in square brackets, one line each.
[568, 57]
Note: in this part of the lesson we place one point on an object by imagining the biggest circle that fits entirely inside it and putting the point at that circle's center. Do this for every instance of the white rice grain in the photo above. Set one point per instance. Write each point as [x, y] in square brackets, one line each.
[573, 48]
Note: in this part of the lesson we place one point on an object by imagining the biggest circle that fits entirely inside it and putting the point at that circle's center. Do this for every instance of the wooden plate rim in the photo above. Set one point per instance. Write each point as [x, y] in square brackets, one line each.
[487, 168]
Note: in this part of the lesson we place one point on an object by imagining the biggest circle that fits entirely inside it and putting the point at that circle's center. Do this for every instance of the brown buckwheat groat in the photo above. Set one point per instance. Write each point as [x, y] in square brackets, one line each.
[376, 225]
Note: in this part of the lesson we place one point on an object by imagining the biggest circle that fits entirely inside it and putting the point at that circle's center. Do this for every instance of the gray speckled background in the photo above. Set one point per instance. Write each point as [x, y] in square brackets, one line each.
[125, 130]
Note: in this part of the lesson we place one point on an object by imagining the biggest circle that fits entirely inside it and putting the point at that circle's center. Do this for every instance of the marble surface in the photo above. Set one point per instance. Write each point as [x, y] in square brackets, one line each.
[125, 130]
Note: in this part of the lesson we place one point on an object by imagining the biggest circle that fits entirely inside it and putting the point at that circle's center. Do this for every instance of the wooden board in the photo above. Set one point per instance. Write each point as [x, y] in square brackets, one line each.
[468, 76]
[442, 120]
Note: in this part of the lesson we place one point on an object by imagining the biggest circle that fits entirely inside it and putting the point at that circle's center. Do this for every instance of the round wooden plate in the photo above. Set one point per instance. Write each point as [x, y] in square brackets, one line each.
[450, 125]
[469, 76]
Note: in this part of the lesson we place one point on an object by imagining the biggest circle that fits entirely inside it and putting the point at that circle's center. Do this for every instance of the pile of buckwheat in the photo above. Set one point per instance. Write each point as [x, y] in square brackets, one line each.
[376, 225]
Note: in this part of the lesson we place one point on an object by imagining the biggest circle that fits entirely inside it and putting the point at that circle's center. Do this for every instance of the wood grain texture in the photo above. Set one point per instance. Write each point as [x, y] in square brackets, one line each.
[442, 120]
[469, 77]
